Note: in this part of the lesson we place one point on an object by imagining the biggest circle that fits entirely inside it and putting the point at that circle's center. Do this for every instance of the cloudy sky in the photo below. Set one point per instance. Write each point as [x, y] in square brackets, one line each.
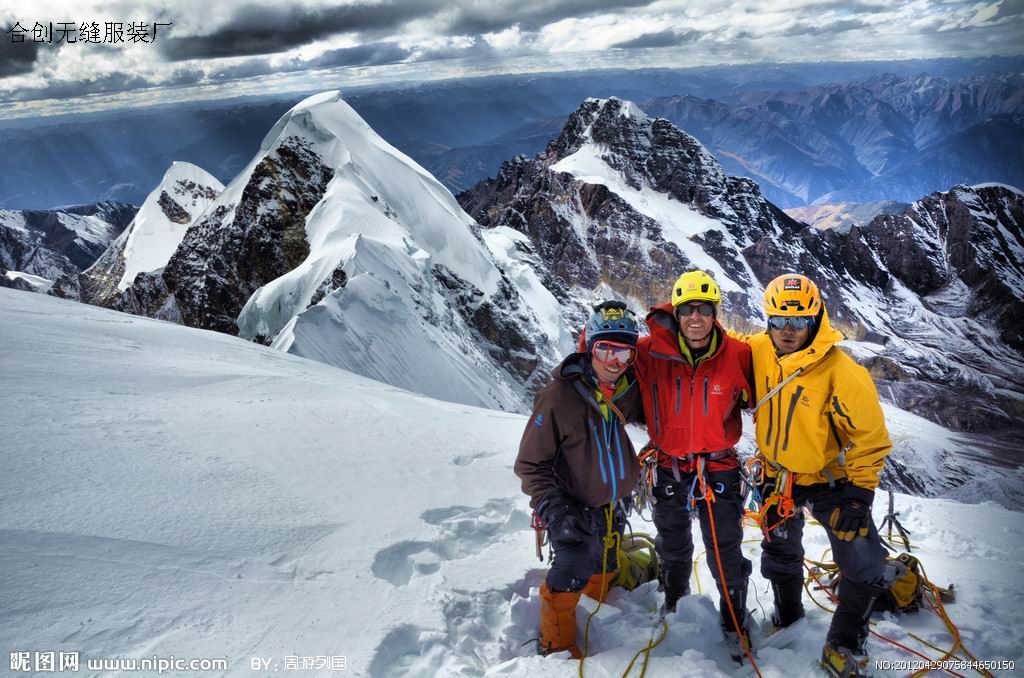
[220, 49]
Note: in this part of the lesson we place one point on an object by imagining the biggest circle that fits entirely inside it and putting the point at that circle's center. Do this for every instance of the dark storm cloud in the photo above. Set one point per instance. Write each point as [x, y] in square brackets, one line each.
[479, 18]
[1009, 8]
[841, 26]
[256, 30]
[370, 54]
[662, 39]
[67, 89]
[16, 57]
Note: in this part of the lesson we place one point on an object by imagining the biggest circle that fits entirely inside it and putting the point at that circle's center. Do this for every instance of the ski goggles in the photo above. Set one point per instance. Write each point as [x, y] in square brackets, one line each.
[610, 352]
[686, 310]
[798, 322]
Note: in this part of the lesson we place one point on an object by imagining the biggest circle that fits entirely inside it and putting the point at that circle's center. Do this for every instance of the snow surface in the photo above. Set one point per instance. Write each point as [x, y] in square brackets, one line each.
[38, 282]
[13, 220]
[196, 495]
[88, 229]
[995, 184]
[507, 244]
[151, 239]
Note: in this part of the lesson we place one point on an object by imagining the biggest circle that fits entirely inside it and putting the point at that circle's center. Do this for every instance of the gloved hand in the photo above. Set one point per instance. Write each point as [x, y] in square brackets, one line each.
[852, 518]
[564, 518]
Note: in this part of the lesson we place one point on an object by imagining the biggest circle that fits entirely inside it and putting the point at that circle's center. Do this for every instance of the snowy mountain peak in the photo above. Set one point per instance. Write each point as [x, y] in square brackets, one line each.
[181, 198]
[334, 245]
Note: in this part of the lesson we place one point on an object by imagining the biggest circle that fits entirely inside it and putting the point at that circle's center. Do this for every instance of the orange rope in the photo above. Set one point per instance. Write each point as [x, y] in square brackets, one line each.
[725, 589]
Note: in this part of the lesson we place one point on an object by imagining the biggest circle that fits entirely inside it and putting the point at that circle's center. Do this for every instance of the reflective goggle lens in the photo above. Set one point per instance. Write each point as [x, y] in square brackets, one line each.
[610, 352]
[778, 322]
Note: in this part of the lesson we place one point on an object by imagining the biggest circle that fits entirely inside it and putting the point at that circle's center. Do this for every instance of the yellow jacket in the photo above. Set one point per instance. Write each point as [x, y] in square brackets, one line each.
[830, 405]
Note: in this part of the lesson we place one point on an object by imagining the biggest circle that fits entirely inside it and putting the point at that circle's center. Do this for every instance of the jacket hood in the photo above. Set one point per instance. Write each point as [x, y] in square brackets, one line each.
[575, 366]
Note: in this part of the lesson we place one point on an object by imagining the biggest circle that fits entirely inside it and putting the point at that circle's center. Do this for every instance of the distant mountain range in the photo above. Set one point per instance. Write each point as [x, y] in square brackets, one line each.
[910, 127]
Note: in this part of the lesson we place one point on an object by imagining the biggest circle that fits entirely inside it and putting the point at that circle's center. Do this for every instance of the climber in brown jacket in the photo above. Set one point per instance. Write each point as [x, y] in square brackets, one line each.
[578, 465]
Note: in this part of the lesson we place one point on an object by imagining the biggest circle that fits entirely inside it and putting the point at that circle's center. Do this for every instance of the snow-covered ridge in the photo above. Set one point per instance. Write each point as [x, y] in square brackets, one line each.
[334, 245]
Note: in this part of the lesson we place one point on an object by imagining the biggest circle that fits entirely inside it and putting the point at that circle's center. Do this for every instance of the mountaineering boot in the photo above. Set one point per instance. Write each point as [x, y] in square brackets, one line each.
[735, 638]
[789, 605]
[675, 582]
[558, 621]
[842, 662]
[849, 626]
[788, 623]
[597, 587]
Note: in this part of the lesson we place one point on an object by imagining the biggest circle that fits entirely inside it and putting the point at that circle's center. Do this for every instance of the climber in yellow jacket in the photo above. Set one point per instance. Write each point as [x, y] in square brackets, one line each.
[822, 443]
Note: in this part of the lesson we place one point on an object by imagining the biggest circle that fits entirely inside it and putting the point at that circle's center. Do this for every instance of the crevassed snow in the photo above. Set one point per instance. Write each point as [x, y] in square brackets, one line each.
[203, 496]
[679, 222]
[151, 239]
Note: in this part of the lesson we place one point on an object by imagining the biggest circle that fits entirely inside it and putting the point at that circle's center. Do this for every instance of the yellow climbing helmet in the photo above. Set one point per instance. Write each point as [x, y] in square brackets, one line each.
[695, 286]
[792, 294]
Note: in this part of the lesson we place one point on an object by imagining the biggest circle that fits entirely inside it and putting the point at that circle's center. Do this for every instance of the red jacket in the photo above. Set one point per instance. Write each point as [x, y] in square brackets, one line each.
[692, 410]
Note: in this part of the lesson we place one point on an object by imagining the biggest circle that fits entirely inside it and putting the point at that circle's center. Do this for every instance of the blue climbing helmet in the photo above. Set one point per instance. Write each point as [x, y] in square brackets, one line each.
[612, 321]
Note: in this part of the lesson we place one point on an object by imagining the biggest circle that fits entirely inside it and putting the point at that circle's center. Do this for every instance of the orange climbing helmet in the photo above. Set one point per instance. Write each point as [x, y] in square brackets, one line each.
[792, 294]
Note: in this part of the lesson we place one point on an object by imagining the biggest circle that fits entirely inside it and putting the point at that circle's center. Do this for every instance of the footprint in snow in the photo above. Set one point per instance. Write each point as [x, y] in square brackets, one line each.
[463, 531]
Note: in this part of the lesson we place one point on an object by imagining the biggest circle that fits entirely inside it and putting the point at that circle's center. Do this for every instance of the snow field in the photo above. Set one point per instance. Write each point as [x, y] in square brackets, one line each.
[175, 491]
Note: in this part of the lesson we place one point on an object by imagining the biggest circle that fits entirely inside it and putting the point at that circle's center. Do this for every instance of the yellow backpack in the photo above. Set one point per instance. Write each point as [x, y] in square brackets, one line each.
[638, 562]
[907, 590]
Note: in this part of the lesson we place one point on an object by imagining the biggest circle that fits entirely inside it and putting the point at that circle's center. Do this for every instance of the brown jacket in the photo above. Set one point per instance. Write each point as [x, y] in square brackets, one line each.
[570, 446]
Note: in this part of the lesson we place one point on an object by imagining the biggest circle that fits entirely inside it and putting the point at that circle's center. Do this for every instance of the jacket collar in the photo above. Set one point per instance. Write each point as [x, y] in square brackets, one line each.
[664, 328]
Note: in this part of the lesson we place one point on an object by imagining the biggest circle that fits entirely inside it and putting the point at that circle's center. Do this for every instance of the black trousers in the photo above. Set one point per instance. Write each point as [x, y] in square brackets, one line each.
[861, 563]
[580, 556]
[674, 542]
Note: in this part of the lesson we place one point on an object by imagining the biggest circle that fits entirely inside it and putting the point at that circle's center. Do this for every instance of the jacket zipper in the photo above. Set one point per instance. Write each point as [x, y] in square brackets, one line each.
[705, 396]
[654, 399]
[778, 414]
[679, 394]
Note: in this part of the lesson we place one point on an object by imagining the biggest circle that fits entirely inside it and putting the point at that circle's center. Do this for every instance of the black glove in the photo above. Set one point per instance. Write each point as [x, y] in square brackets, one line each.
[852, 518]
[564, 518]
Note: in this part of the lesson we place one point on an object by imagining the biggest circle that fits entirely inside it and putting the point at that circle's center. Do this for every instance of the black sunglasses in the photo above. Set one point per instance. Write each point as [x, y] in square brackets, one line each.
[801, 322]
[704, 309]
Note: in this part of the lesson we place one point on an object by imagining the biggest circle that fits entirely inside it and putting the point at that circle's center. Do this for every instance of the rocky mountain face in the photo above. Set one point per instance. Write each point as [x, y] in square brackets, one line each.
[49, 245]
[626, 201]
[930, 297]
[333, 245]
